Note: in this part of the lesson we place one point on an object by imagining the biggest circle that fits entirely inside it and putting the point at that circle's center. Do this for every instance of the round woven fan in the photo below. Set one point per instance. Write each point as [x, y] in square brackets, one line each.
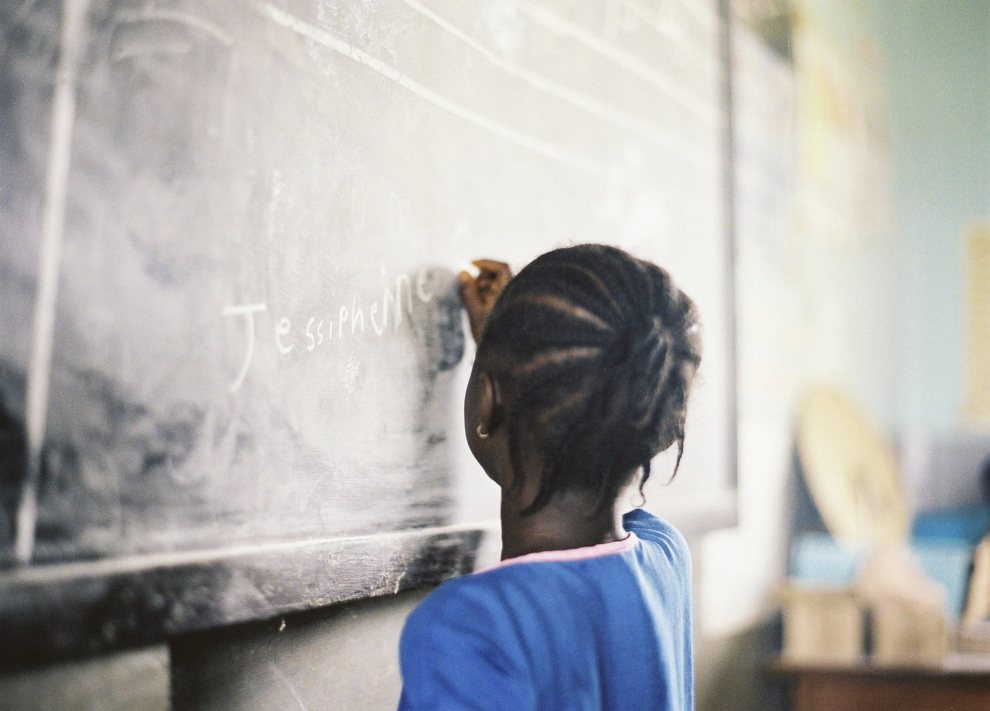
[850, 471]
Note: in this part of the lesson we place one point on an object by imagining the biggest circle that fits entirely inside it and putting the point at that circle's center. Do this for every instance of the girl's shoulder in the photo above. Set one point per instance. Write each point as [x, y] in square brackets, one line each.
[652, 528]
[469, 607]
[450, 600]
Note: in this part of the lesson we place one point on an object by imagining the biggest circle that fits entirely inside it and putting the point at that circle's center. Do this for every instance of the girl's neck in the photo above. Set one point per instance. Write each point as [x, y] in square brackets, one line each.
[569, 520]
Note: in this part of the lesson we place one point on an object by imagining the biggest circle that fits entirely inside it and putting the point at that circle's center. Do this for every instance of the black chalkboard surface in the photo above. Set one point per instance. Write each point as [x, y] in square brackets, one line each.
[231, 353]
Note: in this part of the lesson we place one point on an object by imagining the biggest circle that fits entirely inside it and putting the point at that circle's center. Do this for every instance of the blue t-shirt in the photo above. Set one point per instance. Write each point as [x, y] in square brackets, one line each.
[604, 627]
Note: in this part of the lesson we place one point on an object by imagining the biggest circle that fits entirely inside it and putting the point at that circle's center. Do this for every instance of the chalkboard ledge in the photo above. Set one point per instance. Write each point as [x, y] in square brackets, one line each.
[96, 606]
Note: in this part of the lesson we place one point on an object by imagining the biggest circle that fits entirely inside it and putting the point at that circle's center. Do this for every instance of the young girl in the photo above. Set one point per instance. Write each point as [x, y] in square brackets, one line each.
[581, 377]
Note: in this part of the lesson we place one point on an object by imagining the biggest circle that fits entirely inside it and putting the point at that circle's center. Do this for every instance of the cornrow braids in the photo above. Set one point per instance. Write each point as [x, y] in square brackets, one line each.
[600, 348]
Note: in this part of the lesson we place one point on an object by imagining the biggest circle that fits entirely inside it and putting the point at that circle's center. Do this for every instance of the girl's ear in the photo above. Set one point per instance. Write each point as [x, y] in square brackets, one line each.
[489, 402]
[479, 400]
[481, 417]
[498, 405]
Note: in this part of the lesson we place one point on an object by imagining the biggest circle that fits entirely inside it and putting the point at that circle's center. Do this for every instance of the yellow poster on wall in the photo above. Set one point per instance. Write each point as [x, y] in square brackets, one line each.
[843, 142]
[978, 327]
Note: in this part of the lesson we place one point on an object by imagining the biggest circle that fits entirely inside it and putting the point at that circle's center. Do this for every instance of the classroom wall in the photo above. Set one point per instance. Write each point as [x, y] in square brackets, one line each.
[873, 305]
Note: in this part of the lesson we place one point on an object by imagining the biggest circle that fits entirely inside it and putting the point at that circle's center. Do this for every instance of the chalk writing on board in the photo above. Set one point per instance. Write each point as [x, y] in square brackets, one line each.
[248, 311]
[347, 320]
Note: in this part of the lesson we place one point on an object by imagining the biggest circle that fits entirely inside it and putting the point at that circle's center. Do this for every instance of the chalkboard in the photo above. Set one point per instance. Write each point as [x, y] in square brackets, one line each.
[228, 240]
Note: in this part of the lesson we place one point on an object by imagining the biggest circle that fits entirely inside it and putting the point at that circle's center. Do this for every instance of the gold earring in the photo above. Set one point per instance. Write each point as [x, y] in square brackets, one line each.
[481, 433]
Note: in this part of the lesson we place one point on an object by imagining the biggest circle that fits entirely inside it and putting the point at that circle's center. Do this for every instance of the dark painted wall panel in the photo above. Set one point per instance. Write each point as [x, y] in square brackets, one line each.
[343, 658]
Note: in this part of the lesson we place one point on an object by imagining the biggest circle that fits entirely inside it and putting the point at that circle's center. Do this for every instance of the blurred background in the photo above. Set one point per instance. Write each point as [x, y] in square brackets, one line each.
[861, 265]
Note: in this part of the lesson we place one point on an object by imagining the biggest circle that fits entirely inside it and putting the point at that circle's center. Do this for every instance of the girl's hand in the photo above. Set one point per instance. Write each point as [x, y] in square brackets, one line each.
[478, 294]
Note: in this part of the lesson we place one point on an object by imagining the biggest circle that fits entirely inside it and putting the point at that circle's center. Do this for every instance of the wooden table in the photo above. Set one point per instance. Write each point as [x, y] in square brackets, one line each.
[958, 684]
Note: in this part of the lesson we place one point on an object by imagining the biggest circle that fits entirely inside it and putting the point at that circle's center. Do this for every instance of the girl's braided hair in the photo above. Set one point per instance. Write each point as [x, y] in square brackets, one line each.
[599, 349]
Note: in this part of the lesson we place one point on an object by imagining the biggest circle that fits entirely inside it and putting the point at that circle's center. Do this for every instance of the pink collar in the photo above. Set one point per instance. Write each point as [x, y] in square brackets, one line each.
[569, 554]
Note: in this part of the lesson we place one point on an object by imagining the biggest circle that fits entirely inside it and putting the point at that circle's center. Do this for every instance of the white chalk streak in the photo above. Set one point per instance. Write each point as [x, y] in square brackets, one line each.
[245, 310]
[582, 101]
[50, 256]
[338, 45]
[180, 17]
[559, 26]
[703, 13]
[285, 680]
[653, 18]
